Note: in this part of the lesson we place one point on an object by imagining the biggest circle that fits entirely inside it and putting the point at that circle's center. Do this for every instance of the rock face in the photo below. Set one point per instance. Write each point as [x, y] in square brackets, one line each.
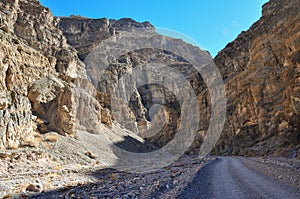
[132, 103]
[20, 65]
[261, 71]
[85, 34]
[35, 24]
[139, 102]
[40, 74]
[44, 86]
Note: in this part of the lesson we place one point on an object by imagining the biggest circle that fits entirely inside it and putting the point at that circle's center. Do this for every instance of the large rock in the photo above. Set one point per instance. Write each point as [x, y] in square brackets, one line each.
[51, 100]
[65, 108]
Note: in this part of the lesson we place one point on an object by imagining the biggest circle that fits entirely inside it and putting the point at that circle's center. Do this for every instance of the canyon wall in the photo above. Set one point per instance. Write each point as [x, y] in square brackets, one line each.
[261, 71]
[41, 77]
[133, 102]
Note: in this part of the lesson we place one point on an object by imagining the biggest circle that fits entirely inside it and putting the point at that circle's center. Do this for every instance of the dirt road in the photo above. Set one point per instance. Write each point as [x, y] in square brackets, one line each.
[228, 177]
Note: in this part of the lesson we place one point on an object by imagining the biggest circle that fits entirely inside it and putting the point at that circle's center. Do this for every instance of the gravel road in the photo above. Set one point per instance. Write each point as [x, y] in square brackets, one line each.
[228, 177]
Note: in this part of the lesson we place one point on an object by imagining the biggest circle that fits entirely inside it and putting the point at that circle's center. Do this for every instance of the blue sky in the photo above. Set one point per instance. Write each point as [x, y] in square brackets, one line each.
[210, 23]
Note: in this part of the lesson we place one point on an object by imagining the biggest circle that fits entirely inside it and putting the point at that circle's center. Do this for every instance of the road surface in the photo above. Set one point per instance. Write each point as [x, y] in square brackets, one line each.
[228, 177]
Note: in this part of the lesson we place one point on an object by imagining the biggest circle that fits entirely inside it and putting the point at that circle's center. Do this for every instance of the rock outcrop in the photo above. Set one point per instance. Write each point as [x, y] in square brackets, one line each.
[261, 71]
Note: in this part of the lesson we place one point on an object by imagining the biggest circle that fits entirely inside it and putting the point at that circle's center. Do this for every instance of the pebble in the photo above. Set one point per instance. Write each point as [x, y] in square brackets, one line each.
[34, 187]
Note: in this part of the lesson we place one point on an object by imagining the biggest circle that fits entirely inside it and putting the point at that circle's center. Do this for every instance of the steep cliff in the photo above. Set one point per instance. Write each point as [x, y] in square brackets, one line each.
[261, 71]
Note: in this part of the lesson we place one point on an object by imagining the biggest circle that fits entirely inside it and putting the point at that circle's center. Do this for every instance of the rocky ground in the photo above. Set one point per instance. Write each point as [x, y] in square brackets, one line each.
[44, 173]
[285, 170]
